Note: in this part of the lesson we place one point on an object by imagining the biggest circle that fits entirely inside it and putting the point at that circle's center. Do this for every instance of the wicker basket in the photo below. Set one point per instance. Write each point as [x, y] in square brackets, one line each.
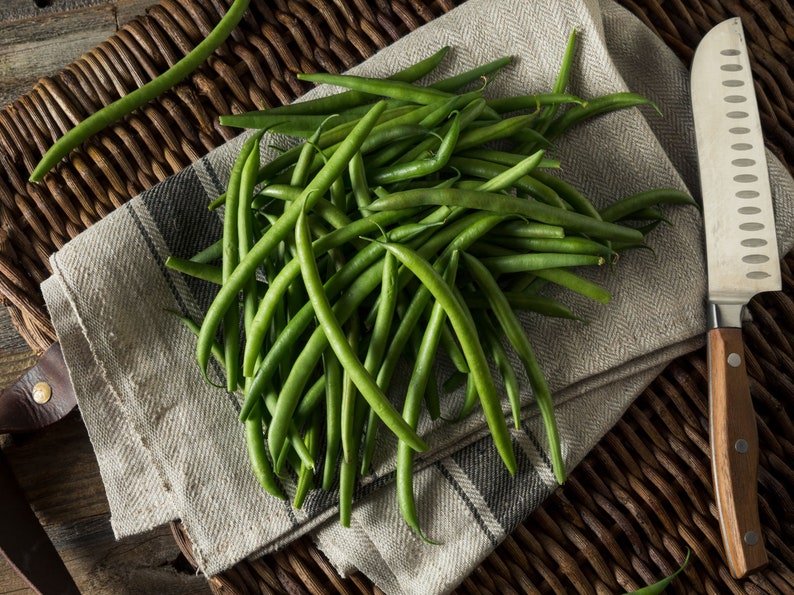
[641, 499]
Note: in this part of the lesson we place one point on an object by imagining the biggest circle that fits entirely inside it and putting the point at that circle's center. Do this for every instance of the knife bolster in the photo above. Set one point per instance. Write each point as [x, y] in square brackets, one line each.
[724, 315]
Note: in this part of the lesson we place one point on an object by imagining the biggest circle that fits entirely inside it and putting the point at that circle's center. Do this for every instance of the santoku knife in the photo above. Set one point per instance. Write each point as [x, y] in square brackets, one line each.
[742, 260]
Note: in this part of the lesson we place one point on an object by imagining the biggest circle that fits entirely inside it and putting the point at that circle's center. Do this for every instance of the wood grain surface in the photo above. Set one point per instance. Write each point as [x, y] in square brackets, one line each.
[36, 42]
[56, 467]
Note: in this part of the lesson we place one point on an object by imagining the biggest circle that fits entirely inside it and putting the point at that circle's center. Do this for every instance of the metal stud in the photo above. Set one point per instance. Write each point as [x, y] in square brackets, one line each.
[751, 538]
[41, 392]
[734, 360]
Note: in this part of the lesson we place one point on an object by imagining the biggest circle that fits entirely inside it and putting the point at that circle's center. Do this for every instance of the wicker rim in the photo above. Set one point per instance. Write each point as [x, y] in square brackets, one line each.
[640, 499]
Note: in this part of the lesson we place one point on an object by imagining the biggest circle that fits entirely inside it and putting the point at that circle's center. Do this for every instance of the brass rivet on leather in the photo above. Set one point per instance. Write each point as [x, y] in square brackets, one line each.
[41, 392]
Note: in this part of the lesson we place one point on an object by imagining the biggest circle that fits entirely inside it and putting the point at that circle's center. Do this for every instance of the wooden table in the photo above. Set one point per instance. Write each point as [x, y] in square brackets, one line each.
[56, 467]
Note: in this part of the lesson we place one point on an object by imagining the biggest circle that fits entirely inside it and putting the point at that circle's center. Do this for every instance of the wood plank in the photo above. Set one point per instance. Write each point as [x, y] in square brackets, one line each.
[33, 45]
[58, 472]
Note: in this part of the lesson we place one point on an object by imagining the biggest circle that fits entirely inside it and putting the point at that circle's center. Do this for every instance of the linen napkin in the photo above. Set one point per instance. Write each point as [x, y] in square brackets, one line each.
[169, 444]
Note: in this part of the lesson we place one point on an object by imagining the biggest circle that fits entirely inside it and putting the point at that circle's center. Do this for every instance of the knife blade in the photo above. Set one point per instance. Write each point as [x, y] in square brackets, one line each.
[742, 260]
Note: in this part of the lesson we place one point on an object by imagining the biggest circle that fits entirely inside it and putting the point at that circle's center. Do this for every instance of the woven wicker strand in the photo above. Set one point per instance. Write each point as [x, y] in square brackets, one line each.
[640, 499]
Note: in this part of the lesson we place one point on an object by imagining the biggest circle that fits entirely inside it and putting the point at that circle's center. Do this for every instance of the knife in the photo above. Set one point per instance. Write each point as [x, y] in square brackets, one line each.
[742, 260]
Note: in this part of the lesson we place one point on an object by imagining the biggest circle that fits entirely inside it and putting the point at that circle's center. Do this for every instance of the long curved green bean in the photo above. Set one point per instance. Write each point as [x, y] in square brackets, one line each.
[595, 107]
[257, 451]
[380, 87]
[642, 200]
[121, 107]
[339, 343]
[473, 199]
[417, 385]
[518, 339]
[467, 334]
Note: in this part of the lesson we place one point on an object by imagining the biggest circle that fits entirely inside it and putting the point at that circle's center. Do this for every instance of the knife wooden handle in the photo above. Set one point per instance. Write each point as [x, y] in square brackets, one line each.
[734, 452]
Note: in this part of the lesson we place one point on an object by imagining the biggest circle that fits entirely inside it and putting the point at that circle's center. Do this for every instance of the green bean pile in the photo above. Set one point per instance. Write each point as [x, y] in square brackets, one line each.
[411, 223]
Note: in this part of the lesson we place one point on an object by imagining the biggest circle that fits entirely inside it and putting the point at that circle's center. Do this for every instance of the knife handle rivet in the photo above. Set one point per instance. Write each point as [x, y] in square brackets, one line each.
[741, 446]
[734, 360]
[751, 538]
[41, 392]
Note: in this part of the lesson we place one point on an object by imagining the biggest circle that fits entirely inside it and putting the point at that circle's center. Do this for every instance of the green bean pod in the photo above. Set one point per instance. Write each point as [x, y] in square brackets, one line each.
[128, 103]
[470, 344]
[515, 334]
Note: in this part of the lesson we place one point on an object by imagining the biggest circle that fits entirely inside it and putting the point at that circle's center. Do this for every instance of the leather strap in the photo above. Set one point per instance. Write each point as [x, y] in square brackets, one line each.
[19, 410]
[23, 541]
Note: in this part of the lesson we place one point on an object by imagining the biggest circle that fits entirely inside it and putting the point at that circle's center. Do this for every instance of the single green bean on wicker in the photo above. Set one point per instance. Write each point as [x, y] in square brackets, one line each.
[133, 100]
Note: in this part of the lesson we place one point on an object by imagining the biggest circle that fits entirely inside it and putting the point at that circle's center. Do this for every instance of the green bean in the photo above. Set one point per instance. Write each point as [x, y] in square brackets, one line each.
[245, 225]
[133, 100]
[381, 331]
[470, 344]
[489, 201]
[568, 193]
[488, 170]
[333, 415]
[417, 386]
[212, 252]
[518, 339]
[595, 107]
[205, 272]
[569, 245]
[231, 256]
[362, 283]
[335, 136]
[376, 86]
[502, 361]
[530, 229]
[453, 350]
[349, 99]
[653, 214]
[483, 249]
[350, 395]
[301, 171]
[637, 202]
[493, 132]
[561, 83]
[280, 229]
[504, 157]
[510, 176]
[503, 105]
[404, 171]
[470, 399]
[453, 83]
[575, 283]
[466, 116]
[311, 400]
[257, 455]
[338, 342]
[306, 473]
[348, 471]
[359, 185]
[291, 125]
[291, 271]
